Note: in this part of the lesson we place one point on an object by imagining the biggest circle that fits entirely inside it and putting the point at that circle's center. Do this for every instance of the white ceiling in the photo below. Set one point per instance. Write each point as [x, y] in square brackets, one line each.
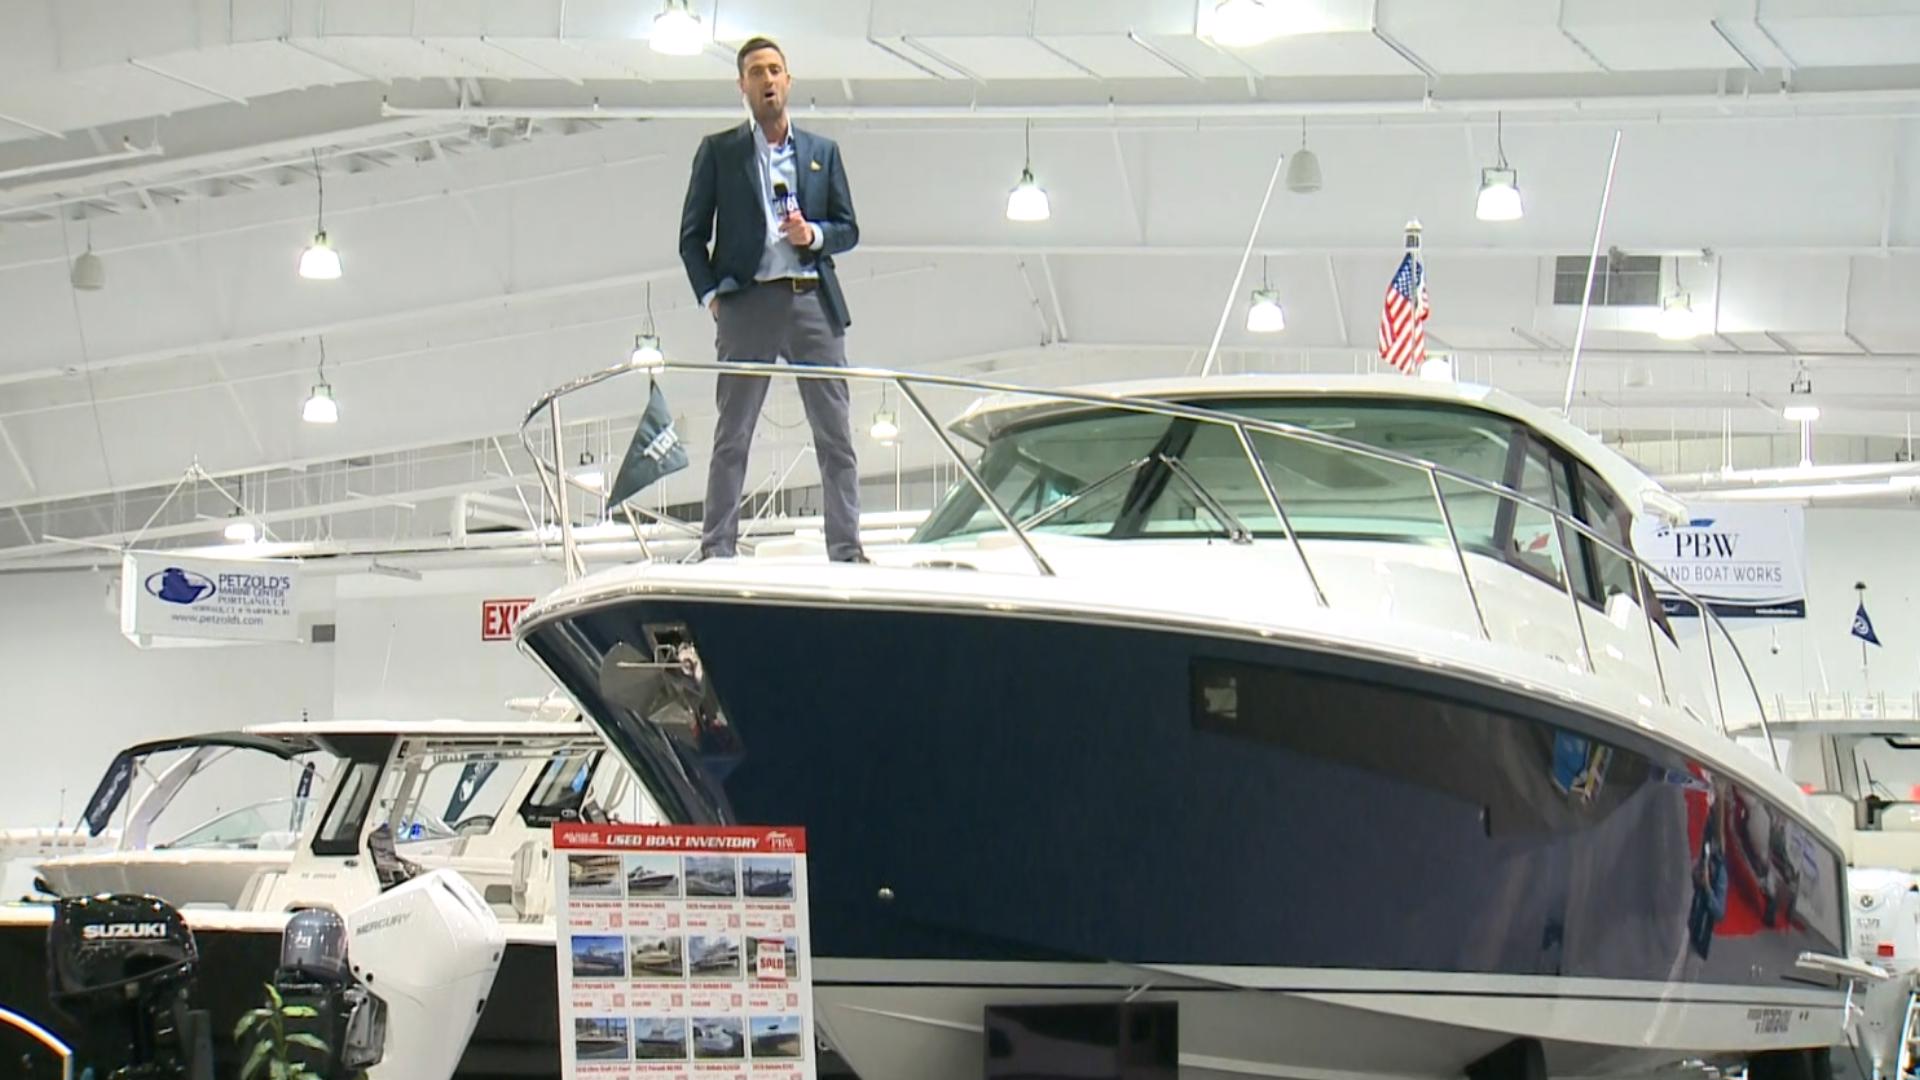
[499, 230]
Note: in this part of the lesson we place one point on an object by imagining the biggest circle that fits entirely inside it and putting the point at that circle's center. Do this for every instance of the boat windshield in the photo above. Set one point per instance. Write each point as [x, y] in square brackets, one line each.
[272, 824]
[1888, 767]
[1123, 475]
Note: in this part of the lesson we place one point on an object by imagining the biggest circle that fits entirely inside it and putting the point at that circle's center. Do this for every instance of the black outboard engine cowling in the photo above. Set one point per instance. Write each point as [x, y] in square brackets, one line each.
[314, 971]
[120, 968]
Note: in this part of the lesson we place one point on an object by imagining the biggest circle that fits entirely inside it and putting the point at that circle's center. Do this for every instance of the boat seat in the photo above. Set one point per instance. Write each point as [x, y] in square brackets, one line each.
[1901, 817]
[277, 840]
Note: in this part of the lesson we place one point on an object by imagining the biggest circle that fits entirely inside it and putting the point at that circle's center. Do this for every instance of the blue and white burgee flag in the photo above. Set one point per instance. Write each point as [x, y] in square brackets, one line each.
[1863, 626]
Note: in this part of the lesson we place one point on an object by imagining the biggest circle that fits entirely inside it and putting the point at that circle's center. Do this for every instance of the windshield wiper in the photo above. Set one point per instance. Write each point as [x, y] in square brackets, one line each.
[1237, 531]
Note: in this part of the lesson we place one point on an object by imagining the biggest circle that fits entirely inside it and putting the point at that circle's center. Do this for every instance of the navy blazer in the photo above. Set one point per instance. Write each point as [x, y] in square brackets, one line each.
[725, 186]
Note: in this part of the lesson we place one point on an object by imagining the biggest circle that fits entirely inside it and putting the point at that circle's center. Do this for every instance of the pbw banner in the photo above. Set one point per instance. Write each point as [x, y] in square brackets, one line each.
[1742, 559]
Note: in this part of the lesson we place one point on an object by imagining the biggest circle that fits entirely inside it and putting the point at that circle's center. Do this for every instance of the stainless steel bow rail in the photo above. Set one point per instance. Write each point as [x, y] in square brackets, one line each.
[1244, 428]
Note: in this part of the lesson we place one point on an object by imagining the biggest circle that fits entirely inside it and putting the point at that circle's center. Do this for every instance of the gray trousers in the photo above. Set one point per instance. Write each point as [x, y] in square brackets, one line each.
[769, 321]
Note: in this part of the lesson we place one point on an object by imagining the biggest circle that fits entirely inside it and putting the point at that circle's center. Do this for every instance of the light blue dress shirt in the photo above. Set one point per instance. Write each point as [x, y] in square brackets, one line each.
[780, 259]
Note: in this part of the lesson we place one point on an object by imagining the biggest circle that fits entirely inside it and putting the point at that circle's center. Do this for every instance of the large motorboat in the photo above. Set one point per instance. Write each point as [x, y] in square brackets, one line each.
[362, 806]
[1860, 764]
[1364, 670]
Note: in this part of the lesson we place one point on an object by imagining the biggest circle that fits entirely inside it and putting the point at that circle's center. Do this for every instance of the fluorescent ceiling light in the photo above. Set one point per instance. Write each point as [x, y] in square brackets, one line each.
[320, 262]
[1499, 196]
[677, 31]
[1266, 316]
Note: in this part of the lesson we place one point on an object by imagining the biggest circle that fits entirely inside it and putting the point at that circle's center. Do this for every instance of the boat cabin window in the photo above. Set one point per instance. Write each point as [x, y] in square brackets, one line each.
[459, 798]
[1888, 767]
[560, 794]
[1119, 476]
[340, 829]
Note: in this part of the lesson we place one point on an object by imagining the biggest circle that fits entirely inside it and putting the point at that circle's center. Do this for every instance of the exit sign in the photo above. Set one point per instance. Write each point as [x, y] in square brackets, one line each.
[499, 617]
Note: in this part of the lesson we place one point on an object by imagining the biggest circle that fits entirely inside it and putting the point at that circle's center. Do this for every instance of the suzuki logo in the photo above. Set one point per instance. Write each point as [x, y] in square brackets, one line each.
[115, 931]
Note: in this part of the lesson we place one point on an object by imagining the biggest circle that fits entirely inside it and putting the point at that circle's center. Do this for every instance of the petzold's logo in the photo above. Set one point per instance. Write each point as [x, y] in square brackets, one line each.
[177, 586]
[116, 931]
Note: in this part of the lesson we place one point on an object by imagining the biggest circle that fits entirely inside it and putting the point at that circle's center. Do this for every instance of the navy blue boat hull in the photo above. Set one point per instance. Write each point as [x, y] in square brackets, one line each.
[996, 788]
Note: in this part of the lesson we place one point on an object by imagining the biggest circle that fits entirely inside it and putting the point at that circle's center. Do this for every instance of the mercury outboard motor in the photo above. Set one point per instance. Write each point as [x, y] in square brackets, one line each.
[314, 972]
[120, 968]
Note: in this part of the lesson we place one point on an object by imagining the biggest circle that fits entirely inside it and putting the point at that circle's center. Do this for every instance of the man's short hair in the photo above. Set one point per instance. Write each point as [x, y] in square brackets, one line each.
[754, 45]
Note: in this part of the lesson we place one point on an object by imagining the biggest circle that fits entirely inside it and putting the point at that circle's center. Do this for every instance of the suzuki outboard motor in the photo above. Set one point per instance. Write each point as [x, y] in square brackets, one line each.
[314, 971]
[120, 968]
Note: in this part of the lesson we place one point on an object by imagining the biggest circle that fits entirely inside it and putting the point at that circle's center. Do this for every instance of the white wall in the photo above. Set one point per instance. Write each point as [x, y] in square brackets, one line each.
[74, 691]
[412, 650]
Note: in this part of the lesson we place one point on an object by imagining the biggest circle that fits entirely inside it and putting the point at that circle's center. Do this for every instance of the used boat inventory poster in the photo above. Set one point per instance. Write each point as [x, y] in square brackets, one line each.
[683, 952]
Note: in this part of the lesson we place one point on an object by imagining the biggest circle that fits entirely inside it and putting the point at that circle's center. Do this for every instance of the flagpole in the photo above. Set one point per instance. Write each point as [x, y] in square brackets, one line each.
[1860, 593]
[1593, 263]
[1233, 292]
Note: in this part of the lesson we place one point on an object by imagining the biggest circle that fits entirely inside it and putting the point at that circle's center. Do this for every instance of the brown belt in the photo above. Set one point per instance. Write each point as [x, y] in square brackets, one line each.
[798, 284]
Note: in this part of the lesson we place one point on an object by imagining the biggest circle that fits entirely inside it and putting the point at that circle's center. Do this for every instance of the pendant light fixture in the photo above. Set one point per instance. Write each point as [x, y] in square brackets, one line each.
[320, 407]
[1800, 407]
[1240, 24]
[1499, 185]
[239, 529]
[1677, 322]
[320, 262]
[886, 426]
[677, 31]
[1265, 315]
[1303, 172]
[89, 273]
[590, 475]
[1028, 200]
[647, 352]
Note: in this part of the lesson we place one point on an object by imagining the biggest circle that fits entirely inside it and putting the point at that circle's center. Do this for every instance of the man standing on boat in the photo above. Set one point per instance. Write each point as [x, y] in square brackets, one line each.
[775, 203]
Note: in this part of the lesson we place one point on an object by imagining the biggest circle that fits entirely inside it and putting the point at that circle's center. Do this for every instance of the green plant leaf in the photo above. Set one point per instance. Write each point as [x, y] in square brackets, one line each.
[304, 1039]
[278, 1070]
[299, 1012]
[260, 1051]
[253, 1016]
[273, 995]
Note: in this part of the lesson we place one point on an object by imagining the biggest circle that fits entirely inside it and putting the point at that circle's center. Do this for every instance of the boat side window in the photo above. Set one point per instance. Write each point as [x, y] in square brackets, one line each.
[1602, 512]
[560, 794]
[1531, 544]
[340, 830]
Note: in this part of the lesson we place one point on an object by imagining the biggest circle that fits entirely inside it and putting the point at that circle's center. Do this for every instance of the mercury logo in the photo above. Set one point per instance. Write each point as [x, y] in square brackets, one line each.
[114, 931]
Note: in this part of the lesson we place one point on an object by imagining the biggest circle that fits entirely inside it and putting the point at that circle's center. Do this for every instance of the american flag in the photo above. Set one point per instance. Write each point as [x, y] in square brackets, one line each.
[1403, 325]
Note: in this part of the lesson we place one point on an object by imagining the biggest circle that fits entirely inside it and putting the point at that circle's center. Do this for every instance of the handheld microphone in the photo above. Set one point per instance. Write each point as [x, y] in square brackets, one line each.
[784, 202]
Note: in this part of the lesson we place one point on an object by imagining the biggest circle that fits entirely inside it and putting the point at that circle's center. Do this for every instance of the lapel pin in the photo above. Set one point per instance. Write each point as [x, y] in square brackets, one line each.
[815, 166]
